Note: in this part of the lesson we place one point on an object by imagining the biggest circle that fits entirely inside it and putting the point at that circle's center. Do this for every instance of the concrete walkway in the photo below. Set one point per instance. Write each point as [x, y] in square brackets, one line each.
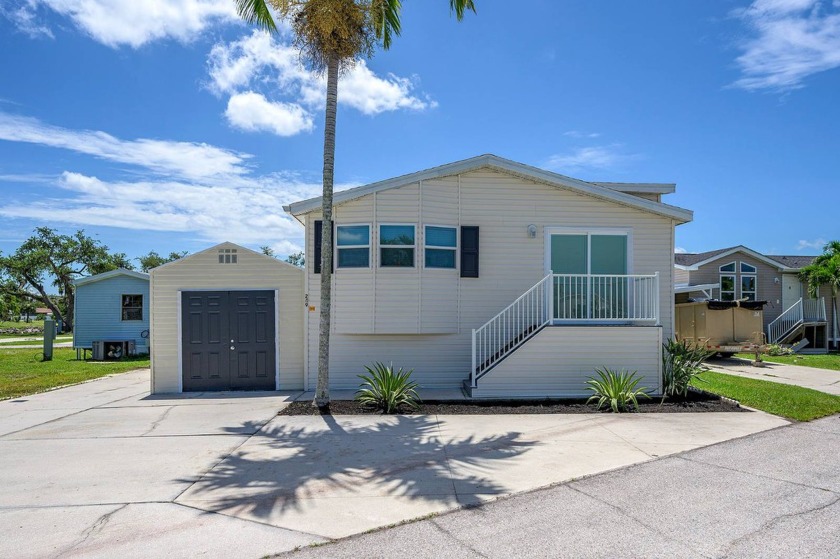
[824, 380]
[103, 469]
[775, 494]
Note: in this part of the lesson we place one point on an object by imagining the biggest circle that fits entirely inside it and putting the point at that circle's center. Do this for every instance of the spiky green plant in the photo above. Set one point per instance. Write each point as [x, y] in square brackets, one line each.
[616, 390]
[681, 362]
[387, 389]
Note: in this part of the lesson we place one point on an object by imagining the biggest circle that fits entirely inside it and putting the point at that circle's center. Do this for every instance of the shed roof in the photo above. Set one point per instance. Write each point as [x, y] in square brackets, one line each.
[615, 192]
[226, 244]
[111, 274]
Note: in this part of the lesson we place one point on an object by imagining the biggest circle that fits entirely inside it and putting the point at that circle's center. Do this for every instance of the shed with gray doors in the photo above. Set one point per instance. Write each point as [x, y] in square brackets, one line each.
[227, 318]
[112, 307]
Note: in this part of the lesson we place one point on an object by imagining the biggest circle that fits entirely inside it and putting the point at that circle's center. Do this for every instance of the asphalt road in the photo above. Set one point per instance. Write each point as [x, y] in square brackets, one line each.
[772, 494]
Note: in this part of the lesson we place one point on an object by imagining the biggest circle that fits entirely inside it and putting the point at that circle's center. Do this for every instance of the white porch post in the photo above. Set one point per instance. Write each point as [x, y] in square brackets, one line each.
[656, 299]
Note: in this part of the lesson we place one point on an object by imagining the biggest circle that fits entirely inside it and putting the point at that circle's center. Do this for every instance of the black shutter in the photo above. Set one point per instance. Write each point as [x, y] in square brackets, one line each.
[319, 239]
[319, 231]
[469, 251]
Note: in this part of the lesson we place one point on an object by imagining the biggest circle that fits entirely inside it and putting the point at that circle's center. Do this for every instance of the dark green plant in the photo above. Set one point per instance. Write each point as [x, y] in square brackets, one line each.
[387, 389]
[616, 390]
[681, 362]
[777, 350]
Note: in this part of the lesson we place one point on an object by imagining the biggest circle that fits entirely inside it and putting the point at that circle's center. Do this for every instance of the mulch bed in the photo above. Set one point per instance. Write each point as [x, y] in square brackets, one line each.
[695, 402]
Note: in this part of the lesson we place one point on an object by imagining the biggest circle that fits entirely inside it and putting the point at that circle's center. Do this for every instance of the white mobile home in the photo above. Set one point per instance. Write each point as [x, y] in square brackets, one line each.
[226, 318]
[510, 279]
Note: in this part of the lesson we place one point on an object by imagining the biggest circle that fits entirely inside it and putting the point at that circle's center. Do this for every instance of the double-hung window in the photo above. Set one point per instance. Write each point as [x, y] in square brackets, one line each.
[396, 246]
[132, 307]
[353, 246]
[441, 245]
[727, 282]
[748, 281]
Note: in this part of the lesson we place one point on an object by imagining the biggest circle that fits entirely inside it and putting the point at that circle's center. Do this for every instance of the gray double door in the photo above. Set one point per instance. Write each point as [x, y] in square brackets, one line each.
[228, 340]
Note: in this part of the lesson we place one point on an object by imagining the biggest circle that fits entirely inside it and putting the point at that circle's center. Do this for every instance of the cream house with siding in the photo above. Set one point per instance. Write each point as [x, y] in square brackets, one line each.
[742, 273]
[510, 279]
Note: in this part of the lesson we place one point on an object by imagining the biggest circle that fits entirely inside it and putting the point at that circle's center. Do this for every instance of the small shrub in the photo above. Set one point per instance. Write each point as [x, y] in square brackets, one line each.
[681, 363]
[387, 389]
[777, 350]
[616, 390]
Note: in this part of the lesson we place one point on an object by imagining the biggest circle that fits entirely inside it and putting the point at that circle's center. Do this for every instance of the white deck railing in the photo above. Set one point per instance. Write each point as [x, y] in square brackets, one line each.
[813, 310]
[606, 298]
[564, 299]
[787, 321]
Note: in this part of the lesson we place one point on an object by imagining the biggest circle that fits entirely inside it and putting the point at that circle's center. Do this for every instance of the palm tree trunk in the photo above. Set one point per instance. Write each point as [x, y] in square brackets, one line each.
[322, 390]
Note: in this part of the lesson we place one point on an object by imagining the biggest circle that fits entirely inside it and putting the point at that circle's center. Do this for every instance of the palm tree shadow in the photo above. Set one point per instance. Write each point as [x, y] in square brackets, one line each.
[291, 461]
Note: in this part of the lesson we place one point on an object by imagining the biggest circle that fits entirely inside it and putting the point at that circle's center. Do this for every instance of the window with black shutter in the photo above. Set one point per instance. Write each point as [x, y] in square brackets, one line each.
[469, 251]
[319, 238]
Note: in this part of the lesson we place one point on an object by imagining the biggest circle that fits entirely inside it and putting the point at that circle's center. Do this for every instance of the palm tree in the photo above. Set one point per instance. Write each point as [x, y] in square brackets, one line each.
[331, 35]
[825, 270]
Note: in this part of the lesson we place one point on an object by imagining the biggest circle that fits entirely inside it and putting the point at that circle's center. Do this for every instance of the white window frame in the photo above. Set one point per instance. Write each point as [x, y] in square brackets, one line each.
[753, 274]
[381, 246]
[367, 246]
[427, 246]
[727, 274]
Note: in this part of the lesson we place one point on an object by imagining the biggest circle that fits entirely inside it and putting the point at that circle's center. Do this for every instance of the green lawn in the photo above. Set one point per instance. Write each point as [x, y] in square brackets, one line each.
[22, 372]
[792, 402]
[828, 361]
[33, 339]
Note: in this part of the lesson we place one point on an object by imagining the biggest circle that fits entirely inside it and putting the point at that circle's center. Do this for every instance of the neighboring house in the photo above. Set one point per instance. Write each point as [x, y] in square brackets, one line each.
[519, 281]
[112, 306]
[227, 318]
[741, 273]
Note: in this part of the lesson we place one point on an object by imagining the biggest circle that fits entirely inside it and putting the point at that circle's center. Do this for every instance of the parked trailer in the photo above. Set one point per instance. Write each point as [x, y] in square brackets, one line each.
[725, 327]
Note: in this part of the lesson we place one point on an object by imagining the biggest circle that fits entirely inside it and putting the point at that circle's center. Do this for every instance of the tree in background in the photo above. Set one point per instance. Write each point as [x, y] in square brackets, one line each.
[48, 259]
[153, 259]
[331, 35]
[825, 270]
[295, 259]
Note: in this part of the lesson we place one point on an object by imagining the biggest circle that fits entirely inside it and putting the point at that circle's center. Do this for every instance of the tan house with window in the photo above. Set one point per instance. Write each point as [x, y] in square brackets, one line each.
[739, 272]
[508, 279]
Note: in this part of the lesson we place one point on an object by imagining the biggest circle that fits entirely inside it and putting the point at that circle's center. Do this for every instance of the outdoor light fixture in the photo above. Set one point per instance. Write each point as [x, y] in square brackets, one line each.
[776, 280]
[532, 231]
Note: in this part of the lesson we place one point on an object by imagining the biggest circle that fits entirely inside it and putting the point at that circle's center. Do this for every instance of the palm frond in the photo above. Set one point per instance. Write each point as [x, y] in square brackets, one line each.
[460, 7]
[256, 12]
[386, 20]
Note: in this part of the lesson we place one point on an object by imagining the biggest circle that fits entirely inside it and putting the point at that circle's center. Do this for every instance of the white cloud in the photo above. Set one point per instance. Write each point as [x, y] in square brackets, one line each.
[680, 250]
[25, 19]
[137, 22]
[815, 244]
[185, 159]
[791, 40]
[595, 157]
[253, 112]
[260, 71]
[578, 134]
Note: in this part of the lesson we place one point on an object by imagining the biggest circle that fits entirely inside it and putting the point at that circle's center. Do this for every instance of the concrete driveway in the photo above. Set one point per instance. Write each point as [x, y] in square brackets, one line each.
[104, 470]
[824, 380]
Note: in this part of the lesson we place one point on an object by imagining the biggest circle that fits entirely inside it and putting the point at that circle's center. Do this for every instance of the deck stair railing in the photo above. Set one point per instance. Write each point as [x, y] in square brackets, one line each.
[512, 327]
[786, 323]
[564, 299]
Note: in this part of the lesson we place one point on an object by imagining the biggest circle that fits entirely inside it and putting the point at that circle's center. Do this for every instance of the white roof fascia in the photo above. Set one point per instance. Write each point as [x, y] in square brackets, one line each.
[111, 274]
[681, 215]
[683, 267]
[641, 187]
[685, 288]
[749, 251]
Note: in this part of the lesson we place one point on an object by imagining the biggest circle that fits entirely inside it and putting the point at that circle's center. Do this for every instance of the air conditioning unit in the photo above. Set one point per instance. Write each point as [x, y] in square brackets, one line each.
[98, 351]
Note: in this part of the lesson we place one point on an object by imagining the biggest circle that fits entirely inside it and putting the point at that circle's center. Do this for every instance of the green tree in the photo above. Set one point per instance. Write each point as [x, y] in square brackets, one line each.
[153, 259]
[331, 35]
[825, 270]
[48, 259]
[296, 259]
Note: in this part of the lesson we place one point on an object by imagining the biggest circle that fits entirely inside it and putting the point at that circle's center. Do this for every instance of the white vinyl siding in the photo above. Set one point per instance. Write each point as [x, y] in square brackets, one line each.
[422, 318]
[559, 360]
[202, 271]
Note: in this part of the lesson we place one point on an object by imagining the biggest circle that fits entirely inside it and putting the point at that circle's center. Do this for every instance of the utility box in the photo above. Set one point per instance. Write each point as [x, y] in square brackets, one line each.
[725, 327]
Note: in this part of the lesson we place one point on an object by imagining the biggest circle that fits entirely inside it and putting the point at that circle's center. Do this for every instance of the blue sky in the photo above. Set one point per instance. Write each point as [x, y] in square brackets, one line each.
[169, 125]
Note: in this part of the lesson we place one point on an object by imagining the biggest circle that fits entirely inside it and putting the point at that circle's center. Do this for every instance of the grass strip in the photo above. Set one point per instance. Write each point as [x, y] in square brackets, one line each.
[23, 371]
[791, 402]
